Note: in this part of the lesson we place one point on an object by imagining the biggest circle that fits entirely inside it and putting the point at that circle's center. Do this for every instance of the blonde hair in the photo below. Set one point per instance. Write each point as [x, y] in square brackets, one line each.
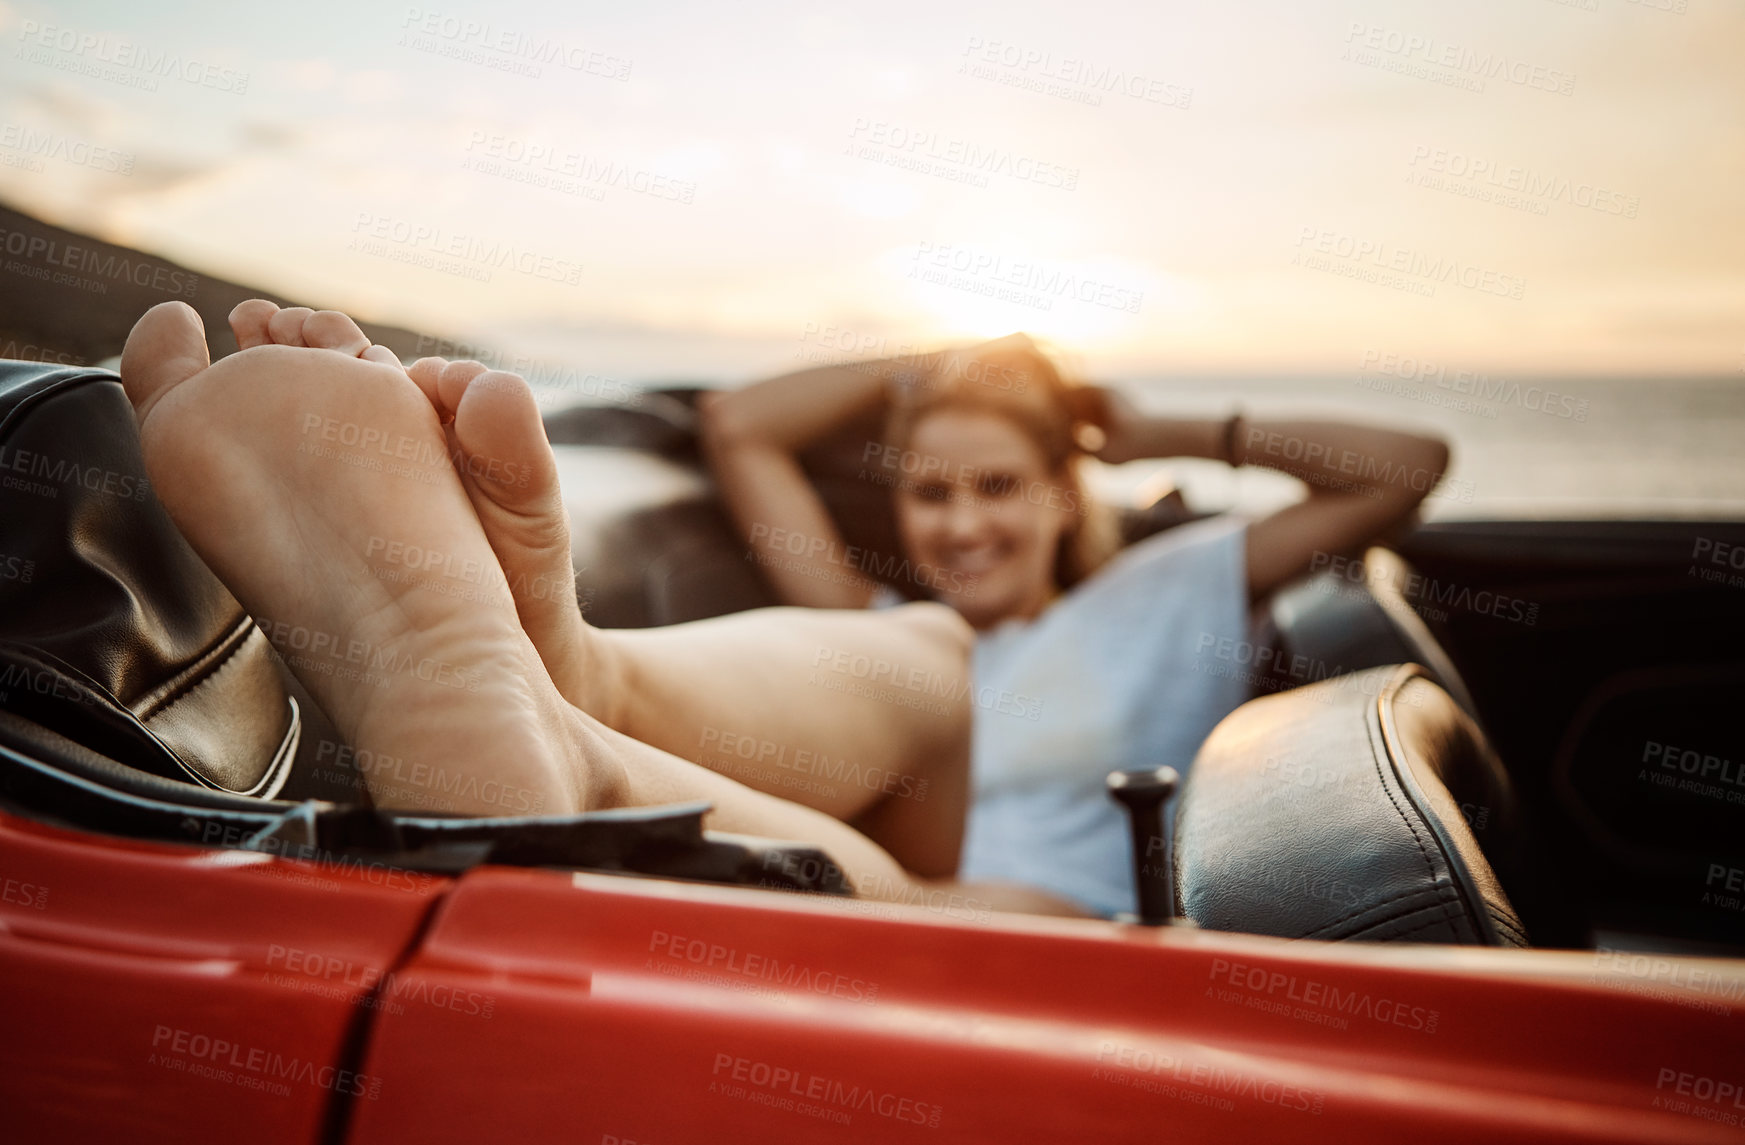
[1014, 379]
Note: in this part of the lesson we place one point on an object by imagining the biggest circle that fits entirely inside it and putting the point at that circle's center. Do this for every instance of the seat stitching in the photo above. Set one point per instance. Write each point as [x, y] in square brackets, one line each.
[1423, 926]
[202, 668]
[204, 678]
[1446, 916]
[1506, 918]
[1442, 906]
[1503, 922]
[1476, 909]
[1400, 897]
[1403, 896]
[1429, 866]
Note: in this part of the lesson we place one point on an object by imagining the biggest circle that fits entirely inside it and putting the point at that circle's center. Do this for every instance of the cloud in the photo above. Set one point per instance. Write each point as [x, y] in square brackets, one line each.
[1199, 207]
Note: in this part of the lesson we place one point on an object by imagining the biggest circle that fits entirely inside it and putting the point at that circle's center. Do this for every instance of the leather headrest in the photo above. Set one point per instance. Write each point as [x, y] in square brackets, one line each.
[112, 632]
[1362, 807]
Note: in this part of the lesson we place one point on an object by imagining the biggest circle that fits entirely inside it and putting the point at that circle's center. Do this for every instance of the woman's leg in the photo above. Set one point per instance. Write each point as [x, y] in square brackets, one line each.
[288, 470]
[864, 716]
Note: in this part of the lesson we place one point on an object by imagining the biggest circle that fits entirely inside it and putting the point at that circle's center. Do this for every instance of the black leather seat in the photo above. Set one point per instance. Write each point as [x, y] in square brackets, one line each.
[1366, 807]
[1358, 615]
[113, 634]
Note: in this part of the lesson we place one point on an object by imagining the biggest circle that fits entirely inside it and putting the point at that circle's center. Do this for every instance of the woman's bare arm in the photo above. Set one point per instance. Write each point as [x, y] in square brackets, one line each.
[1362, 481]
[752, 438]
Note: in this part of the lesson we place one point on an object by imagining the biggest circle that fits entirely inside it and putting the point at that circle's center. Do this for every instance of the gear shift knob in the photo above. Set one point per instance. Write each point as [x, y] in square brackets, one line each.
[1144, 793]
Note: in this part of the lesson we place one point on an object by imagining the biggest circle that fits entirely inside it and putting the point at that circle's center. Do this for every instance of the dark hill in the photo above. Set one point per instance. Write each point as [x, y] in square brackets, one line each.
[67, 297]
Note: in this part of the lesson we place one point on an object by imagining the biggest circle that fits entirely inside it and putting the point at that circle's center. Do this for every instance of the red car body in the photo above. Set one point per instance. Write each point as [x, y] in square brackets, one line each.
[165, 993]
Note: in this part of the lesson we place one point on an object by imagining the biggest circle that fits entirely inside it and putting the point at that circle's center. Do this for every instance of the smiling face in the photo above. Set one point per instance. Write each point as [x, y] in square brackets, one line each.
[983, 507]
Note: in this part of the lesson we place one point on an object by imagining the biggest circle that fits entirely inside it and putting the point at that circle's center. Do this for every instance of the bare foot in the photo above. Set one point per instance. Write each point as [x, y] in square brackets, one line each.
[506, 464]
[292, 468]
[497, 444]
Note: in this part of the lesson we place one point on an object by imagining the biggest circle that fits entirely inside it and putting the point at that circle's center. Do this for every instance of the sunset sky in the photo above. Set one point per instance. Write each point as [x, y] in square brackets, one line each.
[718, 190]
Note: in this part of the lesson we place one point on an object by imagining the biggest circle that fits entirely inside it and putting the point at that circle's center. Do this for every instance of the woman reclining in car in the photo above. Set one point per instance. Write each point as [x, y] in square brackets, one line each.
[1086, 660]
[271, 463]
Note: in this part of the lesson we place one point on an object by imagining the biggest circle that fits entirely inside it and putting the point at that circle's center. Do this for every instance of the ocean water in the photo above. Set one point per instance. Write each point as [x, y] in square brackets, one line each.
[1524, 448]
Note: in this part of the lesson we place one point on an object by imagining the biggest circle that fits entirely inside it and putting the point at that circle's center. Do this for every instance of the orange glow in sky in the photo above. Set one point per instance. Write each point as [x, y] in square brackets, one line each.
[1544, 185]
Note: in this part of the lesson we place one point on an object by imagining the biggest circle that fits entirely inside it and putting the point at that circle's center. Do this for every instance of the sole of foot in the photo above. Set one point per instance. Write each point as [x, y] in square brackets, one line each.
[497, 443]
[317, 482]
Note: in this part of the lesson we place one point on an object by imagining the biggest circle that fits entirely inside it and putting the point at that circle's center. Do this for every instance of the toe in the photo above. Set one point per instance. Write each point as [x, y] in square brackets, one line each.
[167, 347]
[286, 326]
[249, 323]
[443, 382]
[426, 372]
[499, 431]
[331, 330]
[383, 355]
[454, 381]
